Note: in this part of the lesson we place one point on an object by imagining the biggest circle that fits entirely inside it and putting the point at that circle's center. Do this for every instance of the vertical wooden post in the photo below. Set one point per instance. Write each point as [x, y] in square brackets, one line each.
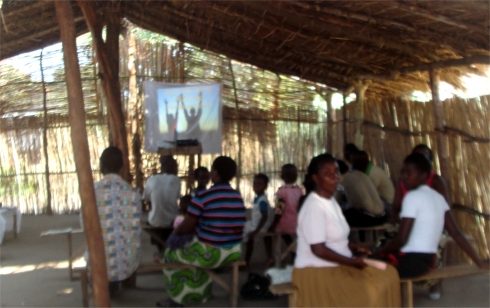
[359, 113]
[107, 54]
[239, 128]
[134, 107]
[330, 119]
[76, 114]
[49, 209]
[442, 146]
[344, 116]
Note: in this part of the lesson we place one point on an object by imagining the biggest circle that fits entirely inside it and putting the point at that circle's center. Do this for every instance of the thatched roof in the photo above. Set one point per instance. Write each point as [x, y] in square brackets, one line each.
[331, 42]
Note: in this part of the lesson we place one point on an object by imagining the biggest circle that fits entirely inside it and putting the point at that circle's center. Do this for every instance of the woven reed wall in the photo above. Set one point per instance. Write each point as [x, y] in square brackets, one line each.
[278, 124]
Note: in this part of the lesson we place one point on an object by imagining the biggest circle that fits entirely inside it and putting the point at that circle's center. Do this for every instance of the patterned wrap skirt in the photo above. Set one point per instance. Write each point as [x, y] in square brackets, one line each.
[345, 286]
[192, 287]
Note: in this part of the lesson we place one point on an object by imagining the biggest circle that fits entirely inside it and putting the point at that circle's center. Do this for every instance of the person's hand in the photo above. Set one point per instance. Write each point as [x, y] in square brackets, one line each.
[359, 263]
[484, 264]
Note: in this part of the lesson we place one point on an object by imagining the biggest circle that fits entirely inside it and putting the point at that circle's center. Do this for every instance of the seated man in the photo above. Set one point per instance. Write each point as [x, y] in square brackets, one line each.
[365, 207]
[119, 207]
[163, 192]
[381, 180]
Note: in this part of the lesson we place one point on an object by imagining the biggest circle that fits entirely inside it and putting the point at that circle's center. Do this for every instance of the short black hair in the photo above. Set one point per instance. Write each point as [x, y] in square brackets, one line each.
[342, 166]
[289, 166]
[111, 160]
[225, 167]
[309, 183]
[199, 170]
[351, 147]
[420, 161]
[423, 146]
[168, 164]
[318, 161]
[263, 177]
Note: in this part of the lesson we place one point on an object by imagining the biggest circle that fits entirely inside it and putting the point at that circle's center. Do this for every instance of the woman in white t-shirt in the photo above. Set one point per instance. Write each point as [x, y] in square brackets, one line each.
[424, 215]
[325, 271]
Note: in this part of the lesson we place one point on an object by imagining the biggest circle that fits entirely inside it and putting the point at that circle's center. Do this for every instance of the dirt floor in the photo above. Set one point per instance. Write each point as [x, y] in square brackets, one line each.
[34, 273]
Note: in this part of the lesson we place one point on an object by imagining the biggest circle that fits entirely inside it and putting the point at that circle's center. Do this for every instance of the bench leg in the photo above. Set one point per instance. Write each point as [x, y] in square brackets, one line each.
[292, 298]
[407, 294]
[84, 285]
[234, 287]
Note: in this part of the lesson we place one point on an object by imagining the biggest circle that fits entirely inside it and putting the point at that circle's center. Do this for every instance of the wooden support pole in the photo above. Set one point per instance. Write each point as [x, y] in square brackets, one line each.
[330, 120]
[442, 146]
[238, 126]
[134, 107]
[107, 54]
[359, 113]
[49, 209]
[76, 114]
[344, 116]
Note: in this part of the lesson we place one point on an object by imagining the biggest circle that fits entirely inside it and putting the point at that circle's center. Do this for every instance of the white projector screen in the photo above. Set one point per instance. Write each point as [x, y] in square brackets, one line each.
[182, 111]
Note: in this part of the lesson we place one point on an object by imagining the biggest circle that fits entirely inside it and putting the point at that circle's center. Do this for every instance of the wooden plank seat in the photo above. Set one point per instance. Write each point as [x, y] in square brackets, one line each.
[231, 288]
[439, 273]
[72, 256]
[406, 284]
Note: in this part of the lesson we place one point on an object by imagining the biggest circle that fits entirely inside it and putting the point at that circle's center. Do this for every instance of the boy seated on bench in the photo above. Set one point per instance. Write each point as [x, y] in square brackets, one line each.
[425, 213]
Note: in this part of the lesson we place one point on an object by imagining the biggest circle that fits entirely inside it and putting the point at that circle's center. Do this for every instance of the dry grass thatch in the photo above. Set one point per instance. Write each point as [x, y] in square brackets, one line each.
[331, 42]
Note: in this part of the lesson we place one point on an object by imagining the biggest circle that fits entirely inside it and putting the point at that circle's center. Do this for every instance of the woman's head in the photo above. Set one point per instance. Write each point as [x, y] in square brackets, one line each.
[423, 149]
[325, 173]
[223, 169]
[416, 168]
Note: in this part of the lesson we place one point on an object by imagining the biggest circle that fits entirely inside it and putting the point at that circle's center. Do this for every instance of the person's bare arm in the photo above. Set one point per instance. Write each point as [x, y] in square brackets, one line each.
[460, 239]
[187, 226]
[439, 185]
[401, 238]
[397, 203]
[263, 220]
[322, 251]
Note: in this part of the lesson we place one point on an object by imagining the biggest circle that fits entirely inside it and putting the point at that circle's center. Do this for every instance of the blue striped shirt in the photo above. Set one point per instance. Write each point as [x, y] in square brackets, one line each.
[221, 215]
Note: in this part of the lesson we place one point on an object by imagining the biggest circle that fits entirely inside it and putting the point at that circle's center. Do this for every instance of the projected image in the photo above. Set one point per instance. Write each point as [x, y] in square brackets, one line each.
[176, 111]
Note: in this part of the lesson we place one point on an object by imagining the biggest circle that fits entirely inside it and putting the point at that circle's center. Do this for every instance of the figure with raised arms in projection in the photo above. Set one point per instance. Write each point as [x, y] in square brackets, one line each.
[193, 128]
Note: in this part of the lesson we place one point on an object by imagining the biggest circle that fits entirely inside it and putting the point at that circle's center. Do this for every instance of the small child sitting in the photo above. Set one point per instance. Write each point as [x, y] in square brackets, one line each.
[175, 241]
[261, 216]
[201, 175]
[287, 203]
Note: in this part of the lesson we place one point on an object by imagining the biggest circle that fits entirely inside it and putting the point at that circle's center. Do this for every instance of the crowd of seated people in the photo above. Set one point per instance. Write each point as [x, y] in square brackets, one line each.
[212, 227]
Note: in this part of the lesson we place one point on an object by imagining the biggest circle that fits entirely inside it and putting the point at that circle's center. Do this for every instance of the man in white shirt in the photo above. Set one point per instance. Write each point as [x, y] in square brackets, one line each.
[163, 192]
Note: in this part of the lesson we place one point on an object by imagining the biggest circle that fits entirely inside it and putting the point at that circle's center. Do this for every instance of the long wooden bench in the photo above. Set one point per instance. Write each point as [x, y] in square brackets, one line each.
[232, 288]
[406, 284]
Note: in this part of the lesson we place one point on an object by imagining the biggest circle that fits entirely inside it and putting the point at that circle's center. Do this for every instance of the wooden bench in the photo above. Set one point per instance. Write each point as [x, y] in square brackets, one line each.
[278, 254]
[406, 284]
[232, 288]
[439, 273]
[71, 255]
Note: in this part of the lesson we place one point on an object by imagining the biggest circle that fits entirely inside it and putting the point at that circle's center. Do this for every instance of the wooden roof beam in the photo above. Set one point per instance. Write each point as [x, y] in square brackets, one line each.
[352, 15]
[393, 75]
[439, 18]
[370, 38]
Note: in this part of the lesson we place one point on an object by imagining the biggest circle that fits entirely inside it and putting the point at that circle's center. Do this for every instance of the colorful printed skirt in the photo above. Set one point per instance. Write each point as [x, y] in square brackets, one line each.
[193, 286]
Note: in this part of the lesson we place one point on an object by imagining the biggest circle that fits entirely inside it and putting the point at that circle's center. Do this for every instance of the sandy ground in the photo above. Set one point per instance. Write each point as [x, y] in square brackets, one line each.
[34, 273]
